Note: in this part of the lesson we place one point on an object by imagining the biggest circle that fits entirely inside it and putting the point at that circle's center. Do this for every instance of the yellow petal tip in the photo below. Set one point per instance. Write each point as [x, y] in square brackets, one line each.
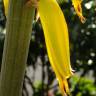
[64, 87]
[83, 19]
[78, 9]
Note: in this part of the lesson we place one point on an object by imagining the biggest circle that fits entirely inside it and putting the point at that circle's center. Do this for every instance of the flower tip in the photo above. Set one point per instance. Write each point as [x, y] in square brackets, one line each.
[83, 19]
[78, 9]
[64, 87]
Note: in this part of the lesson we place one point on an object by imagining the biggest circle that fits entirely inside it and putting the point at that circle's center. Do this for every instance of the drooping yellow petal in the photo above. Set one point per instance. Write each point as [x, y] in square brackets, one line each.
[78, 9]
[57, 42]
[6, 3]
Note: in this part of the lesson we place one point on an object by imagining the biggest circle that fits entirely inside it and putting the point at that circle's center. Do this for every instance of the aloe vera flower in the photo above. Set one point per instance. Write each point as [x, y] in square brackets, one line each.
[56, 38]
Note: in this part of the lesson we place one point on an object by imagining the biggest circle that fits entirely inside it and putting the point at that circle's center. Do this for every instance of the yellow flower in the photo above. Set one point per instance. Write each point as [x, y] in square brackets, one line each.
[78, 9]
[56, 38]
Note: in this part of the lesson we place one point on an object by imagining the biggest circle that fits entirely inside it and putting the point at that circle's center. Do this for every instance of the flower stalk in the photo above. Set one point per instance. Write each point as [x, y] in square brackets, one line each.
[17, 39]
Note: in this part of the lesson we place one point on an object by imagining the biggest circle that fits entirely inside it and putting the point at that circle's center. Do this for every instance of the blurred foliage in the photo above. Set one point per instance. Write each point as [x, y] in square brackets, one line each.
[82, 86]
[82, 49]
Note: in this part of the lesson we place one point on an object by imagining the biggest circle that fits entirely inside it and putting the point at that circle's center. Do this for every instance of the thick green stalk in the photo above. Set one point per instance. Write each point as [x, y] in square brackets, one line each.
[19, 28]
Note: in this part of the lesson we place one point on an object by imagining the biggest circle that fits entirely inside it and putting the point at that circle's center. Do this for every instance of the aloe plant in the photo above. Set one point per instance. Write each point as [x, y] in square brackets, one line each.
[19, 22]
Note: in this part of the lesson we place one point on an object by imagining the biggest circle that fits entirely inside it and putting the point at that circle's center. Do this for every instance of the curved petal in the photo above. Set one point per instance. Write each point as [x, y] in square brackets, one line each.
[57, 41]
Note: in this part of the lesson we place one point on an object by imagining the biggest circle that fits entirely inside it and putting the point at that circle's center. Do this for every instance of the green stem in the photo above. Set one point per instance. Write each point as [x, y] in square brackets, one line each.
[19, 28]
